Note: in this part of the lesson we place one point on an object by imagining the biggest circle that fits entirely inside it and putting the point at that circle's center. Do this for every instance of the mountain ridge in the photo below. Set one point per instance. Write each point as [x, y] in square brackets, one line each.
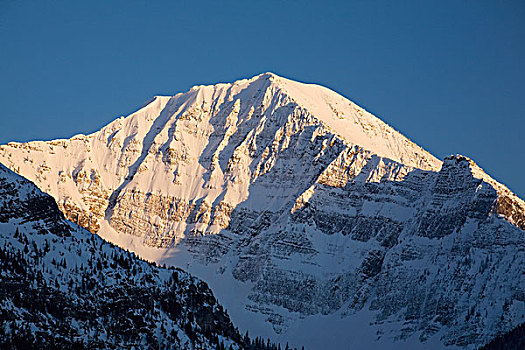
[293, 225]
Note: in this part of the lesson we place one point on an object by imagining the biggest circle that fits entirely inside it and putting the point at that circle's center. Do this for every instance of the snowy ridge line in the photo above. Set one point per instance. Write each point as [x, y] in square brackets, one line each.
[294, 226]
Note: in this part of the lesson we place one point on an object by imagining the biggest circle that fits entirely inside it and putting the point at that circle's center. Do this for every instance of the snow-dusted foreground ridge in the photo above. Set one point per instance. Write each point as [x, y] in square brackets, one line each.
[62, 287]
[311, 219]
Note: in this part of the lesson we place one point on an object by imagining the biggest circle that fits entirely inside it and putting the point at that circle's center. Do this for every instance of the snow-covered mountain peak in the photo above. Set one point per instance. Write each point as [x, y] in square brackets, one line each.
[268, 92]
[510, 206]
[301, 203]
[463, 163]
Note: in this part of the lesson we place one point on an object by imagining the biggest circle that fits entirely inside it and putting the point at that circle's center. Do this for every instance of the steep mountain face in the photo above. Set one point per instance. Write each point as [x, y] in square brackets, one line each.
[63, 287]
[203, 151]
[311, 219]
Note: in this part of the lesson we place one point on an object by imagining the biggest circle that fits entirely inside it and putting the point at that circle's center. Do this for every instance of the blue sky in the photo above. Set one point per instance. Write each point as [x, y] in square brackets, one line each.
[449, 75]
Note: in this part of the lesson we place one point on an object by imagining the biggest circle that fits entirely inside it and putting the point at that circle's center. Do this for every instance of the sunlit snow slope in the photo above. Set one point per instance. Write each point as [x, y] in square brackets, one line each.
[311, 219]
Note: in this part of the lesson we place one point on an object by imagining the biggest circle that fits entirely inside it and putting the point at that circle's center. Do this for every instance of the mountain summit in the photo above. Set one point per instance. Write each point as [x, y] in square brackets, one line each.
[310, 218]
[209, 142]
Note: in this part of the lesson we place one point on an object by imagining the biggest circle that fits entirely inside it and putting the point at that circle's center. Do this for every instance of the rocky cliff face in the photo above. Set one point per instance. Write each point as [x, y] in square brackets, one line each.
[313, 210]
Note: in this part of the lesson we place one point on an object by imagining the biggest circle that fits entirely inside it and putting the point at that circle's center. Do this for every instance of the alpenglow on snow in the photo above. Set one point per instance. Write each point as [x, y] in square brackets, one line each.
[311, 220]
